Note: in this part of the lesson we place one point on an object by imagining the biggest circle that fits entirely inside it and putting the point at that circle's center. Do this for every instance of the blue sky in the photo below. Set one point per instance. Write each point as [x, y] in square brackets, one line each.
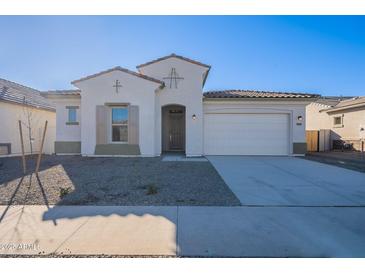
[319, 54]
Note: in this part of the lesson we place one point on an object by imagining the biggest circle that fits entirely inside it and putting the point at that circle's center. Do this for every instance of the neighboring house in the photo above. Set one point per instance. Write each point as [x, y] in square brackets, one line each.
[18, 102]
[340, 119]
[348, 122]
[315, 118]
[162, 108]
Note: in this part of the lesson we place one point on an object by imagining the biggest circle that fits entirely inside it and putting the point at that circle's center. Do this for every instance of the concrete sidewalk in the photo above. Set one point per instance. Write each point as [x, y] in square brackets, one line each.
[80, 230]
[184, 231]
[272, 231]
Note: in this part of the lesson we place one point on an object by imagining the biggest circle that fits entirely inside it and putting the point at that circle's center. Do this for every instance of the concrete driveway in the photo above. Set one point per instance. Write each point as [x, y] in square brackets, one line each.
[289, 181]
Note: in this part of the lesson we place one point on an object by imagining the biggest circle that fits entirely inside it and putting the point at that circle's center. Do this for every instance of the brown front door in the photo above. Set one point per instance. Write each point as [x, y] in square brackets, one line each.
[173, 128]
[176, 130]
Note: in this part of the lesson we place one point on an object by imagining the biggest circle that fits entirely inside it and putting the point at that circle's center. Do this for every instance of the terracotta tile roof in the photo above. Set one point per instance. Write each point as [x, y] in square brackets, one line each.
[120, 69]
[256, 94]
[62, 92]
[350, 103]
[332, 100]
[16, 93]
[175, 56]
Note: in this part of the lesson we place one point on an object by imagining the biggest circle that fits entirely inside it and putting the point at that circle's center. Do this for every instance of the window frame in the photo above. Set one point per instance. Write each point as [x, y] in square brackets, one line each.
[119, 124]
[69, 109]
[335, 125]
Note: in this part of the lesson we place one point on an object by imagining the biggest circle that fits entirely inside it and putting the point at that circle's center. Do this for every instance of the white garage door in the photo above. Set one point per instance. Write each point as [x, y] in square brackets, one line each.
[246, 134]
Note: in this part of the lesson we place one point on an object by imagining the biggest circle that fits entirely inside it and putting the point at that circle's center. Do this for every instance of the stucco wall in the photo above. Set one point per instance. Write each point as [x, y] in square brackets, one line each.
[64, 132]
[293, 108]
[316, 120]
[136, 91]
[9, 128]
[188, 94]
[353, 120]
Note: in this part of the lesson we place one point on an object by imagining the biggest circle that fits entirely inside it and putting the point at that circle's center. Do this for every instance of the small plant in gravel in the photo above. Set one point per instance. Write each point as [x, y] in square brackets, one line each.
[64, 191]
[151, 189]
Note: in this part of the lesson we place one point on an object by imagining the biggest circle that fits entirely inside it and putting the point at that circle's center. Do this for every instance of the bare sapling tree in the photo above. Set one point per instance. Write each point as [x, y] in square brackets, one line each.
[29, 122]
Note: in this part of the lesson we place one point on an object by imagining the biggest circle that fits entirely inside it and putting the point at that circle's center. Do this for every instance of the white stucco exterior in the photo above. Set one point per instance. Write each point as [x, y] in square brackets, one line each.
[135, 91]
[64, 131]
[9, 129]
[189, 94]
[317, 119]
[152, 89]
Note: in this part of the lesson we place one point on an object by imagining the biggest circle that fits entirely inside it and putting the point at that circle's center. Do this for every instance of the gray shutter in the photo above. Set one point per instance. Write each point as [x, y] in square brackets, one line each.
[133, 125]
[101, 124]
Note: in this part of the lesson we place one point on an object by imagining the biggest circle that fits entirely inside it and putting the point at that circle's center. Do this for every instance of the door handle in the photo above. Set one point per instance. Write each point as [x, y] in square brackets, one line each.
[170, 137]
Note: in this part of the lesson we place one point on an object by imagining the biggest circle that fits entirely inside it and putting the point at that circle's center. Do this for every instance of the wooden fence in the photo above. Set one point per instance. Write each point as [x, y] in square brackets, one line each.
[312, 137]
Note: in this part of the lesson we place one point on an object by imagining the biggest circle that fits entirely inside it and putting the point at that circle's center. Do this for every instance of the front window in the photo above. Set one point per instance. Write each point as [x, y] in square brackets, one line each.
[120, 124]
[337, 121]
[72, 115]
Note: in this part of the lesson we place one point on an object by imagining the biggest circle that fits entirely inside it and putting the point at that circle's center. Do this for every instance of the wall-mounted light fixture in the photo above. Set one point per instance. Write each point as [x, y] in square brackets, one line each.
[299, 120]
[193, 117]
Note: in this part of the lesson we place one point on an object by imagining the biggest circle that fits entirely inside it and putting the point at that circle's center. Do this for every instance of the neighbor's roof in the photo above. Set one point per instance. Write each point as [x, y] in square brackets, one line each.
[347, 104]
[231, 94]
[19, 94]
[332, 100]
[62, 92]
[175, 56]
[119, 69]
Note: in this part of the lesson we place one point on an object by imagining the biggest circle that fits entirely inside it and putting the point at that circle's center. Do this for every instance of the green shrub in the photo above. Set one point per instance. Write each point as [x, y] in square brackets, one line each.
[64, 191]
[151, 189]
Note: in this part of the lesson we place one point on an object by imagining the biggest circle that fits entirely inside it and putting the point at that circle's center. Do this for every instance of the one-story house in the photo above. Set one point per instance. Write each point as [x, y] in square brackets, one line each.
[162, 108]
[341, 119]
[19, 102]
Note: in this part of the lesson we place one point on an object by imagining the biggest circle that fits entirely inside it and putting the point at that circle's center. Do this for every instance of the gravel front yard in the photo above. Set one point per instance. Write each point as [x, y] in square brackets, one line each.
[112, 181]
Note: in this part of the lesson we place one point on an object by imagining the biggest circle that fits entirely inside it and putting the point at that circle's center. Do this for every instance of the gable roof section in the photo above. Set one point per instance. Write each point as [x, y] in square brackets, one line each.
[118, 68]
[19, 94]
[348, 104]
[173, 55]
[254, 94]
[332, 101]
[63, 92]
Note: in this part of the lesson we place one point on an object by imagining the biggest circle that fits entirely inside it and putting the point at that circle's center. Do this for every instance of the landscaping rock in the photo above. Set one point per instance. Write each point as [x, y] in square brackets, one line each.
[113, 181]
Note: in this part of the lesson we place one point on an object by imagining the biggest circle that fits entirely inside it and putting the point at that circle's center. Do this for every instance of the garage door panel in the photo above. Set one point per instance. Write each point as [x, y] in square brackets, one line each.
[246, 134]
